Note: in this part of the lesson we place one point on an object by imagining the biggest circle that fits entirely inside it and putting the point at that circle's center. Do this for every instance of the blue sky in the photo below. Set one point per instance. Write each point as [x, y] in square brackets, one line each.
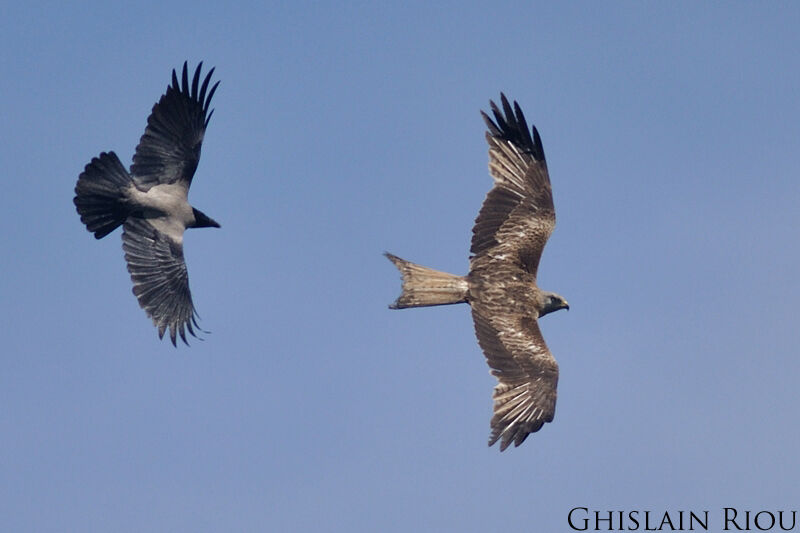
[671, 131]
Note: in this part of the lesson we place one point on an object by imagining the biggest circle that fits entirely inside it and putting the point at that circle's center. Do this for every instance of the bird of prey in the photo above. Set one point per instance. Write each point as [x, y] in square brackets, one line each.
[151, 201]
[510, 232]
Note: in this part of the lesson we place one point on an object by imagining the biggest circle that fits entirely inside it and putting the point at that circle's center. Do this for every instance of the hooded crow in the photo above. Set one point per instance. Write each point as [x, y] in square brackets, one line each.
[151, 202]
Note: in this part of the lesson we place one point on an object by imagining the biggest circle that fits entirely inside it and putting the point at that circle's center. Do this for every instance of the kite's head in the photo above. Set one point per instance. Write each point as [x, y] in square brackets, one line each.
[550, 301]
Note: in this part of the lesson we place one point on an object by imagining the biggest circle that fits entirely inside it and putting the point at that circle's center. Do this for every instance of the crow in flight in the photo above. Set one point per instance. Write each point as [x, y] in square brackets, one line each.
[151, 201]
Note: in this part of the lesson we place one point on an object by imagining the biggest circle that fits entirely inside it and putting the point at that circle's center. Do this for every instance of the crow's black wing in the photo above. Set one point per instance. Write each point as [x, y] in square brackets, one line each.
[160, 281]
[169, 150]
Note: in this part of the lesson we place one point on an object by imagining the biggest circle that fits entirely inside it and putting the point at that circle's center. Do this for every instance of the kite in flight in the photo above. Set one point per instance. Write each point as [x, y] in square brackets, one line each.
[509, 235]
[151, 202]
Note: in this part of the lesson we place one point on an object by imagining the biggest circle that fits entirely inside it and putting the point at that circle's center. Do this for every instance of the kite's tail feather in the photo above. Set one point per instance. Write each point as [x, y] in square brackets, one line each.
[424, 286]
[100, 194]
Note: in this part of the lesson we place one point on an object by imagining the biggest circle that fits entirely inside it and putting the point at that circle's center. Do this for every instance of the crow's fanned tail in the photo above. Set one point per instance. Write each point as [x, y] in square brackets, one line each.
[100, 194]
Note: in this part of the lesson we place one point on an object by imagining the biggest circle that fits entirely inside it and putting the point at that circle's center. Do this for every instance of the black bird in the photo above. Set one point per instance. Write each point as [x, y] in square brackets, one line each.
[151, 201]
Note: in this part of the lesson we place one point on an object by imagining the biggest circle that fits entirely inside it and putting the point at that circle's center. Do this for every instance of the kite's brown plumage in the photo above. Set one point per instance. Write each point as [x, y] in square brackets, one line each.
[511, 230]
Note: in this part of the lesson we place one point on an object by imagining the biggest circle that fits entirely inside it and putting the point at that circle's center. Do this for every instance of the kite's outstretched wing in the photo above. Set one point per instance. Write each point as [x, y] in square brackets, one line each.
[169, 150]
[517, 216]
[525, 397]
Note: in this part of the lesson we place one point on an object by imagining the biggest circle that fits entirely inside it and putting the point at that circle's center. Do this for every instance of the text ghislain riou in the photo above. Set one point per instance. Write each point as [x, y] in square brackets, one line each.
[728, 519]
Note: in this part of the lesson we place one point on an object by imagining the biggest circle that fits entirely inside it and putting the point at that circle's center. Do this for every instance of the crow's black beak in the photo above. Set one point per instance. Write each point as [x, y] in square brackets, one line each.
[201, 220]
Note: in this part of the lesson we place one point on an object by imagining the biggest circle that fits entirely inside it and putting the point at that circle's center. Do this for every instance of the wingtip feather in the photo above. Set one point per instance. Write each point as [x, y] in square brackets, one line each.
[185, 78]
[196, 79]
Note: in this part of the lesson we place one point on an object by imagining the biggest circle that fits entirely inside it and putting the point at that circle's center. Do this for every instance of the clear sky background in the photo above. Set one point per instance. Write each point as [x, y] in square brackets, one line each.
[672, 132]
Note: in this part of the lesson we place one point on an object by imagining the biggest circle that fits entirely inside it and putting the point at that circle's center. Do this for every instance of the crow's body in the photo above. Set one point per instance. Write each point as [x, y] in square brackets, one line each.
[151, 202]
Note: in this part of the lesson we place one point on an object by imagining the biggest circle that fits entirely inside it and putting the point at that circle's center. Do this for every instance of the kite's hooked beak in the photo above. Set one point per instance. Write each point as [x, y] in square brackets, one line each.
[566, 305]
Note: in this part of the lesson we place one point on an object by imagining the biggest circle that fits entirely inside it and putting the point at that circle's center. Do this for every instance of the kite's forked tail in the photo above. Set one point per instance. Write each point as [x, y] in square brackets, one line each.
[100, 194]
[424, 286]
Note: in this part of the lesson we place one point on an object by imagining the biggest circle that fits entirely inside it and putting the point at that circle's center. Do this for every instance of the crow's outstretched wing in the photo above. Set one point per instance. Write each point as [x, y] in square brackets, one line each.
[160, 281]
[169, 150]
